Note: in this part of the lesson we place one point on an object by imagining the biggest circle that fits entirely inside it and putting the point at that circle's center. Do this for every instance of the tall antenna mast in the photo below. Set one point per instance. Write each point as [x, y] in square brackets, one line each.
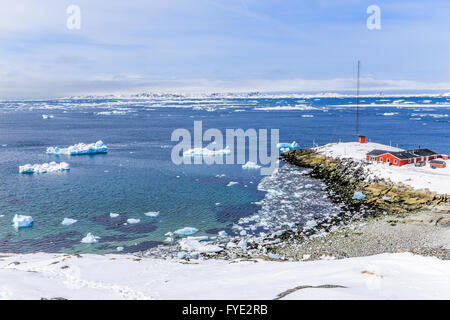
[357, 102]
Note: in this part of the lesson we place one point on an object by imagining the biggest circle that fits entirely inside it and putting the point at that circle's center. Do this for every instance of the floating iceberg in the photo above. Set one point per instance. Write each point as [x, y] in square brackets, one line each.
[47, 116]
[133, 221]
[113, 215]
[250, 165]
[68, 221]
[232, 183]
[358, 196]
[119, 249]
[284, 147]
[223, 233]
[186, 231]
[205, 152]
[80, 148]
[90, 238]
[20, 221]
[43, 168]
[152, 214]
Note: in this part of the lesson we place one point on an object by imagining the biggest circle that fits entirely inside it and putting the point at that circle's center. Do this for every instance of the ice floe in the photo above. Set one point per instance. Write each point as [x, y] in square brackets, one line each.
[44, 168]
[284, 147]
[68, 221]
[232, 183]
[223, 233]
[205, 152]
[152, 214]
[20, 221]
[186, 231]
[133, 221]
[113, 215]
[80, 148]
[250, 165]
[90, 238]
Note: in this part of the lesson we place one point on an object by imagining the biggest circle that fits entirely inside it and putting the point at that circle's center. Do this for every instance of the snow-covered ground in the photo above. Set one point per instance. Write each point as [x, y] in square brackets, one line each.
[385, 276]
[436, 180]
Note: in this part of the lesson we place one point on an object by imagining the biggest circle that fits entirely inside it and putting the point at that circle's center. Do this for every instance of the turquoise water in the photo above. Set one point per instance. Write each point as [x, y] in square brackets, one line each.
[137, 175]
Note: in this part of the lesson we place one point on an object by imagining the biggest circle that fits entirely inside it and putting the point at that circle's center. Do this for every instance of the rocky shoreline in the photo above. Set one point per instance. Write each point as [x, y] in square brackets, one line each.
[346, 176]
[386, 220]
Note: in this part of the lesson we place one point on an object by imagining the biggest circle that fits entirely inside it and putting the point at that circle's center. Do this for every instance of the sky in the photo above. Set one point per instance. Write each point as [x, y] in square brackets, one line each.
[204, 46]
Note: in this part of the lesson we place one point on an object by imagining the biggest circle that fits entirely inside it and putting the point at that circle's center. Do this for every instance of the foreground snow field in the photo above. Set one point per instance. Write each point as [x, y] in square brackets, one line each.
[385, 276]
[436, 180]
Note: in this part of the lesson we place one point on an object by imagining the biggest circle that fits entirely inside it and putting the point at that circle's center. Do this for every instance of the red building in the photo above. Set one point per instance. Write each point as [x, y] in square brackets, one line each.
[400, 158]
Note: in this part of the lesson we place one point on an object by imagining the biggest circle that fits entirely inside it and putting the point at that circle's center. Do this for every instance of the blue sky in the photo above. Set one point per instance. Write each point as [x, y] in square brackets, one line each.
[220, 46]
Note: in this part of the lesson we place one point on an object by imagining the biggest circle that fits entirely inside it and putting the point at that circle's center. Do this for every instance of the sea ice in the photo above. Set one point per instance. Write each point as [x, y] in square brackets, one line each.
[283, 147]
[90, 238]
[133, 221]
[250, 165]
[80, 148]
[310, 224]
[152, 214]
[189, 244]
[43, 168]
[68, 221]
[186, 231]
[242, 244]
[223, 233]
[20, 221]
[205, 152]
[358, 196]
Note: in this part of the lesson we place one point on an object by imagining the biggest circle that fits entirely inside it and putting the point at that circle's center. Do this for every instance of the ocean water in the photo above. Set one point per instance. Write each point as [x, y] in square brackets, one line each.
[138, 176]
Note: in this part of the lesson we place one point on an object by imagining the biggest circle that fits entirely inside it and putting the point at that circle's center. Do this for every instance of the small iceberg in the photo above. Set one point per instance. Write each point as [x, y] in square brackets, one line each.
[90, 238]
[232, 183]
[223, 233]
[20, 221]
[205, 152]
[47, 116]
[152, 214]
[186, 231]
[133, 221]
[284, 147]
[68, 221]
[358, 196]
[80, 148]
[113, 215]
[250, 165]
[43, 168]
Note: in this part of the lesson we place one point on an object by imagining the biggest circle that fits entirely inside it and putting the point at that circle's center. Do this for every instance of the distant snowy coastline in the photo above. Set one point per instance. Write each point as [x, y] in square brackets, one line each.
[254, 95]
